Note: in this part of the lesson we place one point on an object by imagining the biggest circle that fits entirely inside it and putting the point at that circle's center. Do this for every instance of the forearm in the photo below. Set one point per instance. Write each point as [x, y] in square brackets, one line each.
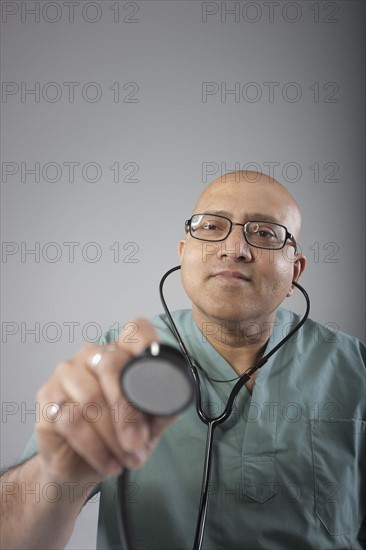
[36, 512]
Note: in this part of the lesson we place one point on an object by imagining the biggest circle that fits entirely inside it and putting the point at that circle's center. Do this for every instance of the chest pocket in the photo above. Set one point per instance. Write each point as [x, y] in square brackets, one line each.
[258, 454]
[339, 459]
[258, 477]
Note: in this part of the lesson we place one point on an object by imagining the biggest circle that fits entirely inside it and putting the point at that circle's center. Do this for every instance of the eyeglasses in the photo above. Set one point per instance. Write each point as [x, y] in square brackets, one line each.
[260, 234]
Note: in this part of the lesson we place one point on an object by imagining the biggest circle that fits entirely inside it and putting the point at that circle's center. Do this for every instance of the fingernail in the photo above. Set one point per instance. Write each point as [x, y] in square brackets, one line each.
[133, 436]
[114, 466]
[129, 437]
[138, 457]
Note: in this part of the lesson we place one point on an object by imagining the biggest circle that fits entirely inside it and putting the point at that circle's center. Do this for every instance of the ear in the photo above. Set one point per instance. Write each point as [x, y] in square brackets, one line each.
[181, 248]
[298, 267]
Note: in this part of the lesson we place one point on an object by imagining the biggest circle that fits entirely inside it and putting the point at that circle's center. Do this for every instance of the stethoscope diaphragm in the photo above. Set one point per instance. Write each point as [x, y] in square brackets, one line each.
[158, 382]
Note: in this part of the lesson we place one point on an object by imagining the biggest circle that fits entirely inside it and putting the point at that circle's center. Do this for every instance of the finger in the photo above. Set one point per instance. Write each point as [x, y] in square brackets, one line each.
[136, 336]
[90, 411]
[63, 439]
[137, 433]
[133, 339]
[131, 425]
[87, 442]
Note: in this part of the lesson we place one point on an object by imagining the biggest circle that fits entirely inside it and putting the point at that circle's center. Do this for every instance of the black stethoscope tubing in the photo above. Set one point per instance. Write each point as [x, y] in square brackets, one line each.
[123, 515]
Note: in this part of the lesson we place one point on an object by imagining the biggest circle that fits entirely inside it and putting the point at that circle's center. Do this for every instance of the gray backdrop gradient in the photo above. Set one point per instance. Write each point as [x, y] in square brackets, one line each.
[171, 93]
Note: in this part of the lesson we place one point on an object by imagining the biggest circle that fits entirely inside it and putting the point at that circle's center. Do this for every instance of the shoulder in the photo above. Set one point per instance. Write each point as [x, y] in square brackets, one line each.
[329, 332]
[322, 342]
[325, 364]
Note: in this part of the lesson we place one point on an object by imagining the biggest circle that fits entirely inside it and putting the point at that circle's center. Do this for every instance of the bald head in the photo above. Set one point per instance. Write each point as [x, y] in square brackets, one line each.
[257, 192]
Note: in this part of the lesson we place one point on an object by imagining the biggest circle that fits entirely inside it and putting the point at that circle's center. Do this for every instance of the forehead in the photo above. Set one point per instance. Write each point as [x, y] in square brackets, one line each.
[243, 200]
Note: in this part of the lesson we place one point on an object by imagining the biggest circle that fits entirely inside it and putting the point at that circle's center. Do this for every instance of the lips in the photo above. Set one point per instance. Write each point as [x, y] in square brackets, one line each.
[231, 276]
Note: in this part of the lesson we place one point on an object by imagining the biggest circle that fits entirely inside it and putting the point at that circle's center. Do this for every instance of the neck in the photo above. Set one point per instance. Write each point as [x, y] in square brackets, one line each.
[241, 343]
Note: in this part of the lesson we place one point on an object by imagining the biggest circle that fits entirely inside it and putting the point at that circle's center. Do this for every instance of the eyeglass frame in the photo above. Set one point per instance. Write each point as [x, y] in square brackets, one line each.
[289, 236]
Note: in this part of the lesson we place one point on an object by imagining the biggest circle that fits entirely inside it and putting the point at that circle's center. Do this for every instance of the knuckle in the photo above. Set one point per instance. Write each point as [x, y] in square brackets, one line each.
[70, 417]
[76, 419]
[69, 429]
[94, 397]
[111, 363]
[63, 367]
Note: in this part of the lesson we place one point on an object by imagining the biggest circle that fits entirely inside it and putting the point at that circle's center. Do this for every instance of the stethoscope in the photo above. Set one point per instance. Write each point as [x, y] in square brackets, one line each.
[159, 383]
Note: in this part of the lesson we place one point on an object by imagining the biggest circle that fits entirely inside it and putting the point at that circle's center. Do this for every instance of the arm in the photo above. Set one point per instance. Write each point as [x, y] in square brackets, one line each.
[90, 438]
[35, 510]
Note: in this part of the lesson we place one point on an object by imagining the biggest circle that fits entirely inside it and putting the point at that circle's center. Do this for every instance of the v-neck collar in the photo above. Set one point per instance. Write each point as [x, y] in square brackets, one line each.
[217, 367]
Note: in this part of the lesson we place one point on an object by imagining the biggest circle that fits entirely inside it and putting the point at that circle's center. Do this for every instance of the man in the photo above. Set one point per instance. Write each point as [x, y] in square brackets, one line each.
[287, 464]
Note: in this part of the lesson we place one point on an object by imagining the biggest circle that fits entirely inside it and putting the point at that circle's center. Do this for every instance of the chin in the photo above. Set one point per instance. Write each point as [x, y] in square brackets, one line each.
[230, 313]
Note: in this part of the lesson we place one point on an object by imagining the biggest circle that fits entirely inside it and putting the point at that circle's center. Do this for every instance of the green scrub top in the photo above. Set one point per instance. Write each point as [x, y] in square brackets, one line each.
[287, 465]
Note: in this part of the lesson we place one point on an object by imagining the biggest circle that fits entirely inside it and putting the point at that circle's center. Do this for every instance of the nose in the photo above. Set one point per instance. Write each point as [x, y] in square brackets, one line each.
[235, 246]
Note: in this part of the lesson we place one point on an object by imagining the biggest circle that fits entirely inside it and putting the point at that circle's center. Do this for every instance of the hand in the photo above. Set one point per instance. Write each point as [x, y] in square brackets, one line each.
[94, 432]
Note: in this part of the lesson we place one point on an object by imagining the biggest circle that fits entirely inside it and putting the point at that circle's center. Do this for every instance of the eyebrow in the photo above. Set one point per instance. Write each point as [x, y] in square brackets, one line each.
[256, 216]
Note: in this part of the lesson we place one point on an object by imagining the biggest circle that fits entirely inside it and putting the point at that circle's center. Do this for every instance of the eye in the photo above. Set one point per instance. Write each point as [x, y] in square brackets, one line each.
[209, 225]
[263, 231]
[266, 234]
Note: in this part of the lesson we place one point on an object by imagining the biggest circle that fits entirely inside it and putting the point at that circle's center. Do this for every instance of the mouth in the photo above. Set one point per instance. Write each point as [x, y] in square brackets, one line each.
[231, 276]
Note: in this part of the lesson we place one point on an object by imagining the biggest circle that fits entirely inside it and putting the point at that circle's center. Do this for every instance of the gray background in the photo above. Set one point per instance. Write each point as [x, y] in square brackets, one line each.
[170, 133]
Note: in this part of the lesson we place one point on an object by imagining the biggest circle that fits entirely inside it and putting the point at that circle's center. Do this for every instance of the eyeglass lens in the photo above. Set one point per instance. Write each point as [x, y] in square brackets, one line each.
[258, 233]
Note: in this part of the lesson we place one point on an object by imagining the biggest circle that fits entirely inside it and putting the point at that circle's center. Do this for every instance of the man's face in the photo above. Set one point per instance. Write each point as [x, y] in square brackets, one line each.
[231, 280]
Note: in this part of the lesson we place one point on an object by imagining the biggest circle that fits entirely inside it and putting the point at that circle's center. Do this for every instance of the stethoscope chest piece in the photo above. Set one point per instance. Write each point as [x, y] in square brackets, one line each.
[158, 382]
